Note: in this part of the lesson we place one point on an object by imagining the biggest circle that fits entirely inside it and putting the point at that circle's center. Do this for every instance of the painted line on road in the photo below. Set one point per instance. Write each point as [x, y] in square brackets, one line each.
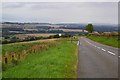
[102, 48]
[93, 45]
[98, 47]
[111, 52]
[88, 42]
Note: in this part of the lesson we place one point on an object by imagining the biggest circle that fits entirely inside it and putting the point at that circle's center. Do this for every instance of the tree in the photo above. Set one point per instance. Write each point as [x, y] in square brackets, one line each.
[89, 28]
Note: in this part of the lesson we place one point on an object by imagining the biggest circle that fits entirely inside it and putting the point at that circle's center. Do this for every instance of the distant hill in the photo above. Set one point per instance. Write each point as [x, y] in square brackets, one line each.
[97, 27]
[47, 26]
[25, 23]
[105, 28]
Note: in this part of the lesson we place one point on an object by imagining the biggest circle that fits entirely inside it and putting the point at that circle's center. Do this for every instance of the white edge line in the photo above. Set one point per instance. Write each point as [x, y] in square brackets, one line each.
[111, 52]
[98, 47]
[103, 49]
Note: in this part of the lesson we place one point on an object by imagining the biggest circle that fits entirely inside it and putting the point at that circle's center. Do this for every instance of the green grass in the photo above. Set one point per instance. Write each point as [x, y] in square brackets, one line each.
[17, 47]
[56, 62]
[110, 41]
[0, 49]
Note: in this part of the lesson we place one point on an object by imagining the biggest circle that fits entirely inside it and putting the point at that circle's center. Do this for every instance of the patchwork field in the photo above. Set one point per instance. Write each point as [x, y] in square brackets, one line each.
[39, 35]
[44, 40]
[22, 36]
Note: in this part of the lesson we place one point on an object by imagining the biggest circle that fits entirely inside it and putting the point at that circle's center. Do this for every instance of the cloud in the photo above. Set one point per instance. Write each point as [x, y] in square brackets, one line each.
[57, 5]
[60, 0]
[82, 12]
[13, 4]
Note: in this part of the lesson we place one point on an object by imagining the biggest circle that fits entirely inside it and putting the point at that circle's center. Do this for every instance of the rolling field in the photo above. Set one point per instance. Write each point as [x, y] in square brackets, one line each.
[39, 35]
[58, 59]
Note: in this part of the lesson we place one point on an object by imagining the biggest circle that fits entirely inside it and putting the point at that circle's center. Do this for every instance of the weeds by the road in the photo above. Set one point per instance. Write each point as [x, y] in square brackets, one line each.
[110, 41]
[55, 62]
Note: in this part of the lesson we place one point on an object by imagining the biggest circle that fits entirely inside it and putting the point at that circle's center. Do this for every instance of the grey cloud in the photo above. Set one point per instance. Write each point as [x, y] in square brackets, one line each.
[57, 5]
[13, 4]
[97, 12]
[98, 4]
[53, 5]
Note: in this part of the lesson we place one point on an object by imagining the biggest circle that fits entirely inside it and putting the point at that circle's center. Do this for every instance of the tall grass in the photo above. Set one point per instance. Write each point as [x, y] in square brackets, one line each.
[110, 41]
[55, 62]
[17, 47]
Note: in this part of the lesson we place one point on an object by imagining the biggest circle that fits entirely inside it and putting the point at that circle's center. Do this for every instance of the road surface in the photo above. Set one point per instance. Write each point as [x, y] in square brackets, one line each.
[97, 60]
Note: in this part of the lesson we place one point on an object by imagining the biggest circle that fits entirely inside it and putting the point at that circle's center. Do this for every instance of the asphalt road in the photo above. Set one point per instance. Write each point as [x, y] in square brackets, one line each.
[97, 60]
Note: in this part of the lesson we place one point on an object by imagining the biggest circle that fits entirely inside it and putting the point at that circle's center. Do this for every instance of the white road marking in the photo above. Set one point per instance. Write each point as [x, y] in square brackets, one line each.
[98, 47]
[111, 52]
[89, 42]
[92, 44]
[103, 49]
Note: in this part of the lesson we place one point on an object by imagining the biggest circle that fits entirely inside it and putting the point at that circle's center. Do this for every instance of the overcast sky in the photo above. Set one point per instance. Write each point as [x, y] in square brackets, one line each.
[61, 12]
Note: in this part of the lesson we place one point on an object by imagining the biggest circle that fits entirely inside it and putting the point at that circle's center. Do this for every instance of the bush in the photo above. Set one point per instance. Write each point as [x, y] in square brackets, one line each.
[65, 35]
[15, 62]
[5, 42]
[54, 36]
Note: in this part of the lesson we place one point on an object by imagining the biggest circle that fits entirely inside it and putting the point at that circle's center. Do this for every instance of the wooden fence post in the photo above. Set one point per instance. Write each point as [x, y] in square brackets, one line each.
[6, 60]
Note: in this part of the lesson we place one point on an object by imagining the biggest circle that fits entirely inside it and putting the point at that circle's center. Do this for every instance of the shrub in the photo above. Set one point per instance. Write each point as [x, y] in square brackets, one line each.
[15, 62]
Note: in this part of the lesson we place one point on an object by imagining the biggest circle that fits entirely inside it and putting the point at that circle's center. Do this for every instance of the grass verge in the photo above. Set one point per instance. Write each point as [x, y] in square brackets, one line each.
[110, 41]
[56, 62]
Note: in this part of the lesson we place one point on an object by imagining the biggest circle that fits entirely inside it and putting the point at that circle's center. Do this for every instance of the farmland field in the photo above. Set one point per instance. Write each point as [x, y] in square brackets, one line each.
[39, 35]
[35, 35]
[44, 40]
[55, 59]
[21, 36]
